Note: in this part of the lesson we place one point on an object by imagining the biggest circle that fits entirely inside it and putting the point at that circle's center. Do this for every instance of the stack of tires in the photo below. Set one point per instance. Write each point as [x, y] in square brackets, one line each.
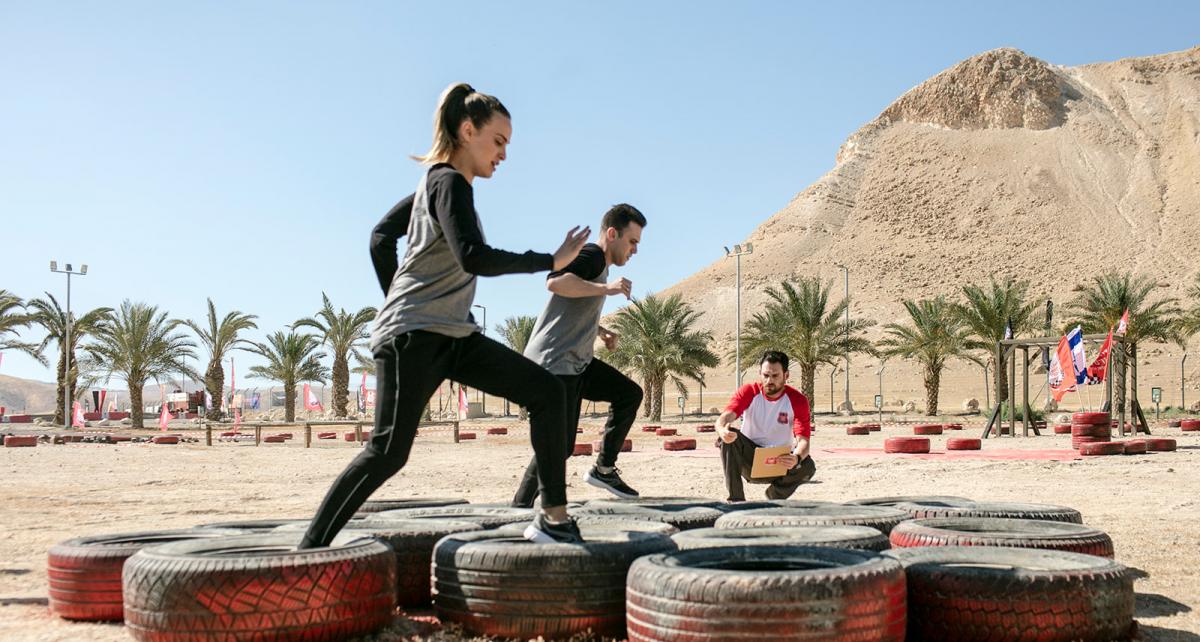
[1090, 427]
[653, 569]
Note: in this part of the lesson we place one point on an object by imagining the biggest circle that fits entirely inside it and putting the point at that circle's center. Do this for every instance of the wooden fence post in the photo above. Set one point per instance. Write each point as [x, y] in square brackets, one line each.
[307, 434]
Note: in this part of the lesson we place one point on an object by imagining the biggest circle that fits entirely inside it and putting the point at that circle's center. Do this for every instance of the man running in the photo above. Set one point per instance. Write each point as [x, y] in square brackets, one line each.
[563, 339]
[773, 414]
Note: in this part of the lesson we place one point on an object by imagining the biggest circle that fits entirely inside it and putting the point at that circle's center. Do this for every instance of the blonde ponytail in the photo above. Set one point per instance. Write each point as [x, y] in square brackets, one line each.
[457, 102]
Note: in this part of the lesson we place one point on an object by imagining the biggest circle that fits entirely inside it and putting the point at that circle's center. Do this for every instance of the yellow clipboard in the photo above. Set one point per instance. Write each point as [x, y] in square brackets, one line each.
[765, 464]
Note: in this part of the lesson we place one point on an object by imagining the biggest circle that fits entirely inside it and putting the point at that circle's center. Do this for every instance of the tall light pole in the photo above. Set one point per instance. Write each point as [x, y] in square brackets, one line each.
[738, 252]
[67, 340]
[482, 394]
[847, 333]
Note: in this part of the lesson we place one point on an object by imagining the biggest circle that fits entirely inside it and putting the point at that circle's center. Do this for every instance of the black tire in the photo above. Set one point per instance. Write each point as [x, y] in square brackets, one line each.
[733, 507]
[1005, 510]
[892, 501]
[253, 526]
[499, 584]
[681, 517]
[486, 515]
[979, 593]
[380, 505]
[413, 541]
[1008, 533]
[84, 573]
[589, 524]
[881, 518]
[658, 503]
[259, 587]
[737, 593]
[862, 538]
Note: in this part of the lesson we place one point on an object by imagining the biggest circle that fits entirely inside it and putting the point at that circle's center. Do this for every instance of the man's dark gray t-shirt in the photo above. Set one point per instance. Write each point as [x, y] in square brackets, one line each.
[565, 334]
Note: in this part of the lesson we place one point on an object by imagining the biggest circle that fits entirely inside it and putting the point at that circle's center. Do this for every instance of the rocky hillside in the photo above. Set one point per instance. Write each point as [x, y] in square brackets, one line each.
[1003, 165]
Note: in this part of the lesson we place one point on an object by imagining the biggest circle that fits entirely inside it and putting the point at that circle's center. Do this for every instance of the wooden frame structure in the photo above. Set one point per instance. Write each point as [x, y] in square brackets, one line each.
[1006, 352]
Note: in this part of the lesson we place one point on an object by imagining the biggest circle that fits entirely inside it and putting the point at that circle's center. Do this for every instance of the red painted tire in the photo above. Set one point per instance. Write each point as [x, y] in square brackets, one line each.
[465, 436]
[579, 431]
[952, 426]
[1100, 418]
[1159, 444]
[327, 435]
[84, 573]
[650, 428]
[1102, 448]
[986, 593]
[165, 439]
[274, 439]
[259, 587]
[1004, 533]
[1189, 425]
[582, 450]
[366, 434]
[1062, 429]
[626, 446]
[1135, 446]
[706, 428]
[666, 432]
[875, 427]
[683, 443]
[1091, 430]
[230, 433]
[910, 445]
[927, 429]
[20, 441]
[964, 443]
[1077, 442]
[721, 594]
[497, 431]
[858, 430]
[1173, 423]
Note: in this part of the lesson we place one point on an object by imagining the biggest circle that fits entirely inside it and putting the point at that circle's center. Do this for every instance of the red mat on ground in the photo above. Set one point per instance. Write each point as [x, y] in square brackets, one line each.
[873, 453]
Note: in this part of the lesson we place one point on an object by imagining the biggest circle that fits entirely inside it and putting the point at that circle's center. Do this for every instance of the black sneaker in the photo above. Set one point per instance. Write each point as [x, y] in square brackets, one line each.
[612, 482]
[543, 531]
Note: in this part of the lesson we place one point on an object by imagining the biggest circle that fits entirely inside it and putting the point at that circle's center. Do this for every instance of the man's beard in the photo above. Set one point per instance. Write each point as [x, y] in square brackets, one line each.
[771, 388]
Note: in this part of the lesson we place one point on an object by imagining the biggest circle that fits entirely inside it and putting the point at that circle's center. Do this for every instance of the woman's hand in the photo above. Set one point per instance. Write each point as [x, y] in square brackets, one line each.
[570, 247]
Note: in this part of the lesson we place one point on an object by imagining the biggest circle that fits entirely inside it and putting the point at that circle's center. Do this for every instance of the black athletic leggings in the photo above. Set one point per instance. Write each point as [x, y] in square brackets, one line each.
[598, 382]
[409, 368]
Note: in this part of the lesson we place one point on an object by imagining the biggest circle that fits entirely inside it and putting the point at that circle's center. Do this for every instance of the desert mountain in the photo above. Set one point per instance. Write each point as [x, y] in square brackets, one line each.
[1002, 165]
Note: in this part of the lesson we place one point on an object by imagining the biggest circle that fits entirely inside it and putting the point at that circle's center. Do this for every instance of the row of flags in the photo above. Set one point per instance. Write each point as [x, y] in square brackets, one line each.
[1069, 368]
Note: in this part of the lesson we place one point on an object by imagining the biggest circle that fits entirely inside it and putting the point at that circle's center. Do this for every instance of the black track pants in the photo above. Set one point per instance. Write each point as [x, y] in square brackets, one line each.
[409, 368]
[598, 382]
[738, 460]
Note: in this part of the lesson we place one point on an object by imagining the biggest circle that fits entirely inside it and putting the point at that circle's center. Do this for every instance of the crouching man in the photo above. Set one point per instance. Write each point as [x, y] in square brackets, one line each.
[773, 414]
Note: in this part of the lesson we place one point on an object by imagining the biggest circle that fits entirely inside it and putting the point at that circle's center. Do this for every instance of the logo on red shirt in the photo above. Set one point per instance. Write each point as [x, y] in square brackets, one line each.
[783, 417]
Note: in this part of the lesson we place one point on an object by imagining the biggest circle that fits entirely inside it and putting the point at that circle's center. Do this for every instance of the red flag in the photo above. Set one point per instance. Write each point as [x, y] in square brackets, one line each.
[311, 402]
[163, 418]
[237, 417]
[1060, 382]
[1099, 367]
[77, 415]
[103, 410]
[1123, 324]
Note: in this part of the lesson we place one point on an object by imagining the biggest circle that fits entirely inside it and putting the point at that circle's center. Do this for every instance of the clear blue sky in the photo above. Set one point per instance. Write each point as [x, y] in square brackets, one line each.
[243, 151]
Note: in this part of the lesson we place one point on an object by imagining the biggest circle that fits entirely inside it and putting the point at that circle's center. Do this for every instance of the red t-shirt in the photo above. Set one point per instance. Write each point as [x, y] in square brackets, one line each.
[771, 422]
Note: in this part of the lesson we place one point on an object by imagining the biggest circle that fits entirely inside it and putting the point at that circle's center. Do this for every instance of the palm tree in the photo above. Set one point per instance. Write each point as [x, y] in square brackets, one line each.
[138, 344]
[343, 332]
[13, 315]
[1098, 306]
[799, 322]
[934, 336]
[220, 338]
[291, 359]
[53, 319]
[658, 343]
[516, 332]
[987, 313]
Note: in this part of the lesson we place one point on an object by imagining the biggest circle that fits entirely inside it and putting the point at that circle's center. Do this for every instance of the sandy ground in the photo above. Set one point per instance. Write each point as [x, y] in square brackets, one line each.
[1148, 504]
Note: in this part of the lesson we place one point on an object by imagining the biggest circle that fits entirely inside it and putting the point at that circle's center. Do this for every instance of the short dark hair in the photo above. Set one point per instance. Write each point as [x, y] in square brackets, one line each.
[620, 216]
[775, 356]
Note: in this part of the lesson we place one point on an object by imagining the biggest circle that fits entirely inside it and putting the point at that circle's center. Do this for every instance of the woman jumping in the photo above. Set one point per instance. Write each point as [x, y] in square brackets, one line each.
[424, 333]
